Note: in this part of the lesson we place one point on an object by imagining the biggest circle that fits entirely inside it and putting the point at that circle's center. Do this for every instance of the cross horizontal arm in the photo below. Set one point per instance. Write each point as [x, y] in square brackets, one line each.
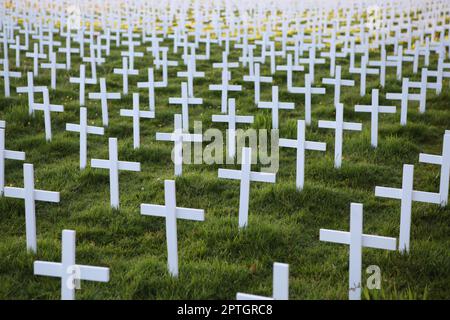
[352, 126]
[431, 159]
[52, 107]
[244, 119]
[427, 197]
[246, 296]
[225, 174]
[90, 273]
[287, 143]
[369, 241]
[317, 146]
[49, 269]
[262, 177]
[13, 192]
[14, 155]
[327, 124]
[181, 213]
[386, 192]
[95, 130]
[100, 163]
[129, 166]
[49, 196]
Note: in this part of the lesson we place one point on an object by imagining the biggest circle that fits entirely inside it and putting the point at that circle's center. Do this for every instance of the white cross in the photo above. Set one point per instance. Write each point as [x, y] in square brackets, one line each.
[257, 80]
[70, 272]
[82, 80]
[398, 60]
[363, 70]
[280, 285]
[178, 137]
[6, 74]
[225, 64]
[125, 72]
[444, 161]
[165, 64]
[307, 90]
[30, 195]
[18, 47]
[151, 85]
[374, 110]
[339, 126]
[338, 82]
[171, 212]
[289, 68]
[30, 89]
[68, 50]
[232, 119]
[84, 130]
[382, 63]
[190, 74]
[36, 56]
[104, 96]
[245, 176]
[224, 88]
[114, 165]
[53, 66]
[131, 54]
[6, 154]
[93, 60]
[301, 145]
[47, 108]
[185, 100]
[136, 114]
[312, 61]
[423, 85]
[404, 96]
[407, 195]
[275, 105]
[356, 239]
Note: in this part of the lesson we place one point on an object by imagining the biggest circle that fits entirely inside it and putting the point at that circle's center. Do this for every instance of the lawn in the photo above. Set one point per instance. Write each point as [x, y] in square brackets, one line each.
[216, 259]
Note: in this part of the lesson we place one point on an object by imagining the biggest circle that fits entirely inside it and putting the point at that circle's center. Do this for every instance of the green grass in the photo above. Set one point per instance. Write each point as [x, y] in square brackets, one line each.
[217, 260]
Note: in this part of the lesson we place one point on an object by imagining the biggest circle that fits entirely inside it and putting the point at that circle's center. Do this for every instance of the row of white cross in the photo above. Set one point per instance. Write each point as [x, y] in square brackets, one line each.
[71, 273]
[171, 212]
